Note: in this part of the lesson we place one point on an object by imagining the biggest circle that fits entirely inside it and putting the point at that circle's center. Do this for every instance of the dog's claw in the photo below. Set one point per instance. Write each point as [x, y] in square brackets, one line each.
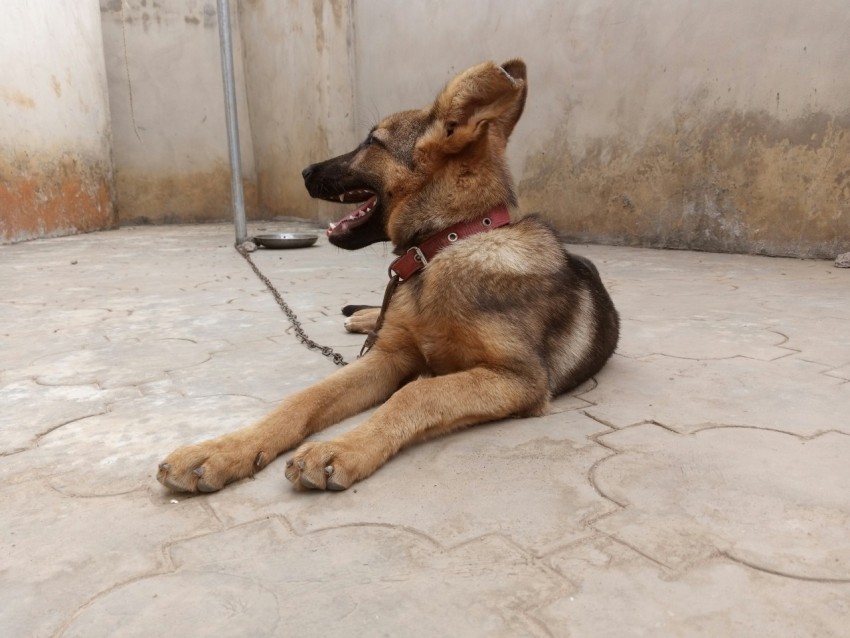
[164, 467]
[300, 465]
[260, 461]
[329, 469]
[199, 471]
[289, 463]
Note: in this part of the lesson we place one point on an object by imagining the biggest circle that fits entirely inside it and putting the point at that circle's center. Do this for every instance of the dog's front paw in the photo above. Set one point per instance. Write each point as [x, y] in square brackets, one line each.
[209, 466]
[327, 465]
[363, 321]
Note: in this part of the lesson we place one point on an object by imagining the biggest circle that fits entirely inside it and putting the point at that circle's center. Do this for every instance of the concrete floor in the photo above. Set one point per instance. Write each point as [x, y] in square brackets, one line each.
[700, 486]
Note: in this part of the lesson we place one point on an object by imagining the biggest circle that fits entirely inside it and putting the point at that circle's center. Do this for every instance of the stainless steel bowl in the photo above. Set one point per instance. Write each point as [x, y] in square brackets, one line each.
[286, 240]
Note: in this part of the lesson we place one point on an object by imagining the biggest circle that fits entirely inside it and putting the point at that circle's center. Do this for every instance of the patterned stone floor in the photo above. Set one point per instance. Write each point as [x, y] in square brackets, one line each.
[699, 486]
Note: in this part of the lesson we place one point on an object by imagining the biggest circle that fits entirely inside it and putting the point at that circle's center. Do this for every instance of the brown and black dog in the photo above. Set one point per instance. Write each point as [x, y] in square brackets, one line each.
[494, 325]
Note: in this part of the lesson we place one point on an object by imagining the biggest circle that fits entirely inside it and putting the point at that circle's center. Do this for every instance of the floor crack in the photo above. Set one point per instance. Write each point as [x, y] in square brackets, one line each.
[776, 572]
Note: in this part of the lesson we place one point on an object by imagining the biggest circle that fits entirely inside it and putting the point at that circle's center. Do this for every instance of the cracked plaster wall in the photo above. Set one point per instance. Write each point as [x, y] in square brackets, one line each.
[55, 163]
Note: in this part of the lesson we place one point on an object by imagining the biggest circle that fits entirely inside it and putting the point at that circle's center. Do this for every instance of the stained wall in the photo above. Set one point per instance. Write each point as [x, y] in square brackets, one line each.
[55, 163]
[294, 83]
[299, 70]
[717, 126]
[166, 98]
[720, 125]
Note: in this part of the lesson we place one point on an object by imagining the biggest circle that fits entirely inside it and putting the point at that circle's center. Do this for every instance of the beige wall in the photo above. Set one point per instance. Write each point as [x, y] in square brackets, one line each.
[167, 103]
[294, 81]
[721, 125]
[300, 78]
[55, 166]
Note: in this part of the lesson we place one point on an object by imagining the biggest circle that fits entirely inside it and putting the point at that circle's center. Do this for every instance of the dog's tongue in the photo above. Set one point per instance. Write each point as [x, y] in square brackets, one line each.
[355, 217]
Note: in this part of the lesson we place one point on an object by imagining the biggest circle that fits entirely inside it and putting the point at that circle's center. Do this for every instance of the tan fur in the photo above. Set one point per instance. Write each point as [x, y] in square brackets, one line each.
[491, 328]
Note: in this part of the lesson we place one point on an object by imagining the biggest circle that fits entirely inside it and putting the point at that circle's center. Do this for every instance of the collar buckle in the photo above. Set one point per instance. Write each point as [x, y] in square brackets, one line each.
[418, 255]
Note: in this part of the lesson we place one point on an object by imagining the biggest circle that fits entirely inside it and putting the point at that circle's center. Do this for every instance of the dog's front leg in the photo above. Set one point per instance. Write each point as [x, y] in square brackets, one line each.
[421, 409]
[210, 465]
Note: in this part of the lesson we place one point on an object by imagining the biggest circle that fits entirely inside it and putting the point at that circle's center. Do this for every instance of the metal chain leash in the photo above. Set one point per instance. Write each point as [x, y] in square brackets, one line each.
[293, 319]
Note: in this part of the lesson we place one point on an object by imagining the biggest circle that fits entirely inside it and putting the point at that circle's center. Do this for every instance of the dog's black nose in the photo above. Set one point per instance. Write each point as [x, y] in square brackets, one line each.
[307, 171]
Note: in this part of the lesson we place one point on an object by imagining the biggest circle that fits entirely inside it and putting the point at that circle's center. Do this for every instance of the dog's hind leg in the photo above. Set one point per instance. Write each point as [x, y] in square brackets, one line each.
[352, 308]
[585, 263]
[362, 321]
[210, 465]
[422, 409]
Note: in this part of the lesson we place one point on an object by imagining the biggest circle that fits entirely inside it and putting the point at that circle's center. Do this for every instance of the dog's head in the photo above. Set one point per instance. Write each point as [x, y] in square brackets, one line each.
[420, 171]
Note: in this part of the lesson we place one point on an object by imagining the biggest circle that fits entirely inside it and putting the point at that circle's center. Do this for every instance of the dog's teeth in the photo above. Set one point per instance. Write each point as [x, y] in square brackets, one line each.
[368, 210]
[342, 197]
[331, 226]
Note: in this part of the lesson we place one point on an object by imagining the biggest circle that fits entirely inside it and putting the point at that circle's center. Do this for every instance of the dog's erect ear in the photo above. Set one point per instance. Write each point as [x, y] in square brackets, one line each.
[483, 97]
[516, 69]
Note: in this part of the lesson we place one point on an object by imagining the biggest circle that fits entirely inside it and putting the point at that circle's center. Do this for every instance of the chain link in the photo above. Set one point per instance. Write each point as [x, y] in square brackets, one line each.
[293, 319]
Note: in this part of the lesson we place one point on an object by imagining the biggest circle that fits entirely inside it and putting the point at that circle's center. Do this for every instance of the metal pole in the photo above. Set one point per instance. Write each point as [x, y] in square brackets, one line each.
[236, 193]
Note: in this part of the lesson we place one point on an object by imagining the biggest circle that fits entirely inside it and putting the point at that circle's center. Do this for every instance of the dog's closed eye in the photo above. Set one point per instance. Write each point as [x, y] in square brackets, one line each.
[371, 140]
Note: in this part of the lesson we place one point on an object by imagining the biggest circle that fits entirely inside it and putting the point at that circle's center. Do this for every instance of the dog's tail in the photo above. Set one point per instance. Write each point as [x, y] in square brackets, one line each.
[578, 259]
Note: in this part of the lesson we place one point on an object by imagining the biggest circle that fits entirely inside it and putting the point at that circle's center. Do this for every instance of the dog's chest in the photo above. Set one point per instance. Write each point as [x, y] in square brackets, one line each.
[442, 328]
[444, 354]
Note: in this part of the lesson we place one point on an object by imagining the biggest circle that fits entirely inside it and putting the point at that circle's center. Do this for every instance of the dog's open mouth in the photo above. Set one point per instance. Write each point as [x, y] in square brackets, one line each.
[368, 203]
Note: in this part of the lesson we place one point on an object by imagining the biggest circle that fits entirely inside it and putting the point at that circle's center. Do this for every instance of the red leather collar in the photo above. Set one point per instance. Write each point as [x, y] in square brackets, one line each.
[417, 257]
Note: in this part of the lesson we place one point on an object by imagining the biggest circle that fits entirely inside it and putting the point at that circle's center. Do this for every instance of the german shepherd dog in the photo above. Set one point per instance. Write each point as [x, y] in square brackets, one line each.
[493, 323]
